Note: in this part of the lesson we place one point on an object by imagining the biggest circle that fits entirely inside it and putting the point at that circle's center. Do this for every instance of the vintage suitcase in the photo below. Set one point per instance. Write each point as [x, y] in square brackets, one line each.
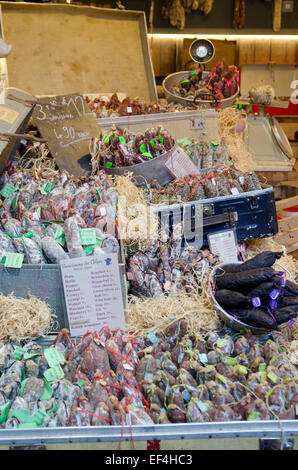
[251, 214]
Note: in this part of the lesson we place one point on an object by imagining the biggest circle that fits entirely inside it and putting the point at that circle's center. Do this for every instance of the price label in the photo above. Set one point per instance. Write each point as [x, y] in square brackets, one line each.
[53, 373]
[14, 260]
[224, 245]
[179, 164]
[197, 124]
[60, 236]
[93, 293]
[53, 356]
[88, 236]
[8, 189]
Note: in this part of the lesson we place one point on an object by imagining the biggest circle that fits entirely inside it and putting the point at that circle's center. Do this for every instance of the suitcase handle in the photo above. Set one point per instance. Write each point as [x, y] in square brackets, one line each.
[227, 217]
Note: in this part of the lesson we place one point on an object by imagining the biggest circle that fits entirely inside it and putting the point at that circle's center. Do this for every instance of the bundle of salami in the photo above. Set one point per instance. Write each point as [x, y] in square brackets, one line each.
[43, 220]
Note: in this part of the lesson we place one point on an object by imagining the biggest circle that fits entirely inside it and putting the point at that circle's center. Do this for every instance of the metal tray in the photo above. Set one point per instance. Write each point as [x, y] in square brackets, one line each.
[278, 429]
[176, 77]
[230, 320]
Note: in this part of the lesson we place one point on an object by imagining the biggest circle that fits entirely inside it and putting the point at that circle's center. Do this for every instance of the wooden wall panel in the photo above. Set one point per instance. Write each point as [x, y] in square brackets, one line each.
[225, 51]
[280, 51]
[262, 51]
[170, 55]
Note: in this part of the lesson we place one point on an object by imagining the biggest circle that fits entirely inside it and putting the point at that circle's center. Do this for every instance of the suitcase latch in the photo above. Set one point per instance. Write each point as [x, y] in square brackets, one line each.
[253, 203]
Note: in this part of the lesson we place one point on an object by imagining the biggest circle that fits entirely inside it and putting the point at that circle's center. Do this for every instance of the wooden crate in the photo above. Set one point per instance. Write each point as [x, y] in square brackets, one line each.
[288, 224]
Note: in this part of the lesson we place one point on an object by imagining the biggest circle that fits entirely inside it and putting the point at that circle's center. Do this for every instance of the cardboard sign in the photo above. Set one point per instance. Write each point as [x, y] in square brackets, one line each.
[69, 125]
[224, 244]
[93, 294]
[180, 165]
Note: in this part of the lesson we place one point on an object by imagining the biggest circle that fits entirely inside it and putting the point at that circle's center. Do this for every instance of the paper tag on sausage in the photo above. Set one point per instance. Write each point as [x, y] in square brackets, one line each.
[179, 164]
[88, 236]
[14, 260]
[234, 191]
[53, 356]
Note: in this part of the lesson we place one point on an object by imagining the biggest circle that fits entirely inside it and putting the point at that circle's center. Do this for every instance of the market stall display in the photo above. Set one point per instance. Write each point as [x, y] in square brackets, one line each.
[117, 107]
[122, 148]
[167, 356]
[188, 378]
[165, 265]
[116, 378]
[45, 220]
[221, 82]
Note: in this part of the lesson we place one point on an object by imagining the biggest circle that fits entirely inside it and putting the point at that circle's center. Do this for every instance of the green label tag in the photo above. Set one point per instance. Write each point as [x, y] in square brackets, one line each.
[221, 342]
[253, 416]
[47, 392]
[28, 355]
[184, 142]
[60, 236]
[48, 187]
[53, 373]
[222, 378]
[272, 376]
[152, 142]
[88, 249]
[22, 415]
[53, 356]
[262, 367]
[106, 139]
[230, 361]
[185, 81]
[38, 417]
[98, 241]
[143, 148]
[160, 139]
[42, 191]
[122, 140]
[18, 353]
[22, 385]
[28, 234]
[8, 189]
[4, 409]
[242, 369]
[15, 202]
[28, 424]
[14, 260]
[272, 360]
[267, 395]
[147, 154]
[88, 236]
[193, 74]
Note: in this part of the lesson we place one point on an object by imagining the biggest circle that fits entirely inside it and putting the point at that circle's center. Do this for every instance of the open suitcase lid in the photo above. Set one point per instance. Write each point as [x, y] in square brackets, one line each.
[62, 49]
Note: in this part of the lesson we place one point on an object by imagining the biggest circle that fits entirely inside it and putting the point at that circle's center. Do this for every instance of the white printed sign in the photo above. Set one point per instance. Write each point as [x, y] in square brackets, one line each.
[224, 244]
[180, 165]
[93, 293]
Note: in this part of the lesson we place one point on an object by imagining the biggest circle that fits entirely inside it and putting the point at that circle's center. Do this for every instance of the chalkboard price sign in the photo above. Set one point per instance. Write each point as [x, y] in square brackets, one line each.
[69, 125]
